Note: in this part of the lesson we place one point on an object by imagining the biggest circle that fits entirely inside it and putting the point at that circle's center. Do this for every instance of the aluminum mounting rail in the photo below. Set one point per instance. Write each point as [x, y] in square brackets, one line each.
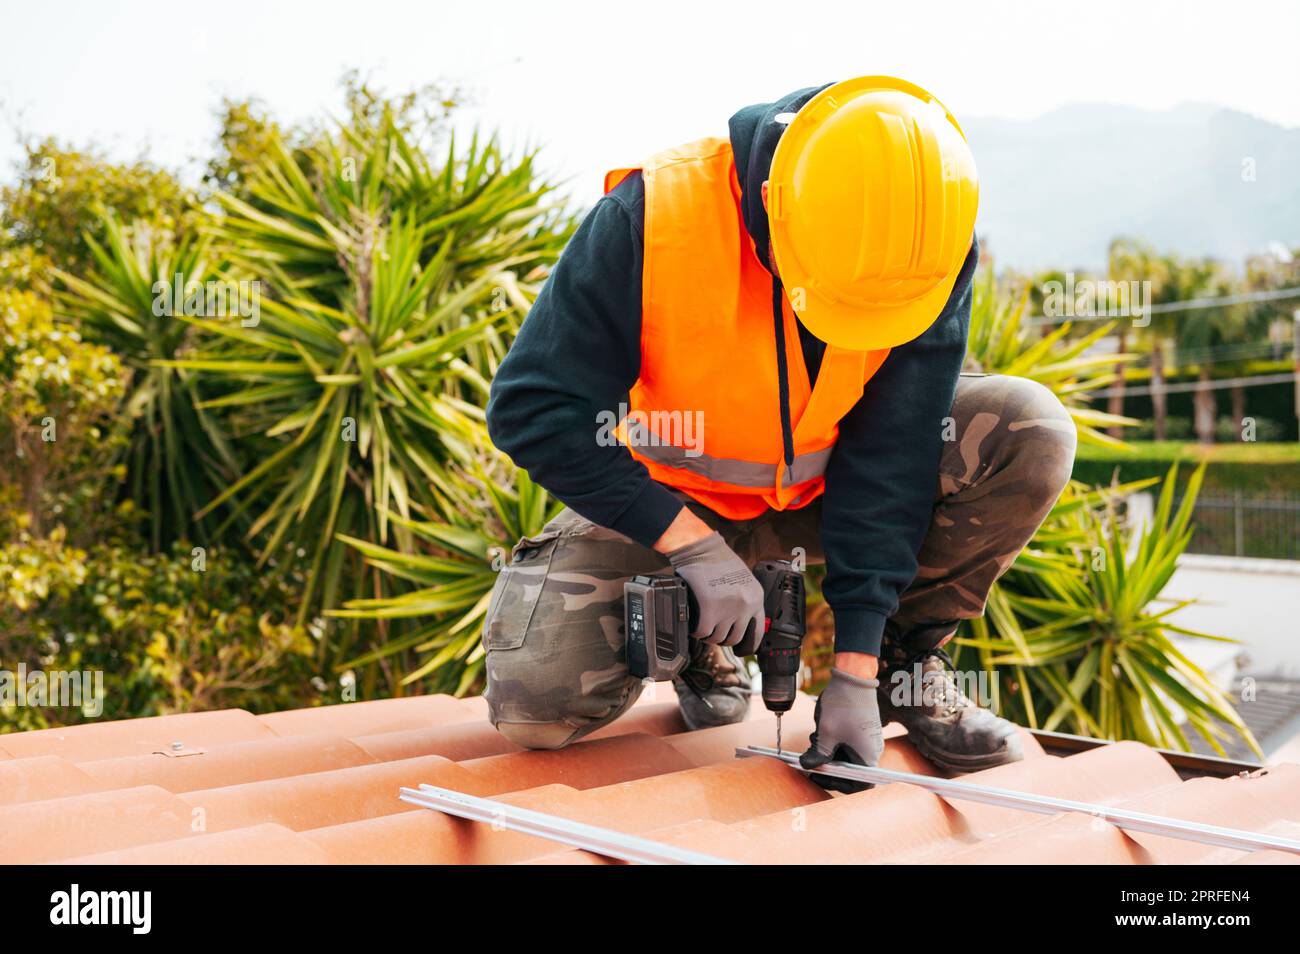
[1043, 804]
[601, 841]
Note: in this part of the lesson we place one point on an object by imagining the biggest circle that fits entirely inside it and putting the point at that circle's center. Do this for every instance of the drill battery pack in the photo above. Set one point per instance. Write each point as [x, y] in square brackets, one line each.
[657, 621]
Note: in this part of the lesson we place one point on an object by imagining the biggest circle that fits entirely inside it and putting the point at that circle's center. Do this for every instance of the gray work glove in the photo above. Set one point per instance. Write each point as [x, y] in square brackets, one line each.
[729, 597]
[848, 729]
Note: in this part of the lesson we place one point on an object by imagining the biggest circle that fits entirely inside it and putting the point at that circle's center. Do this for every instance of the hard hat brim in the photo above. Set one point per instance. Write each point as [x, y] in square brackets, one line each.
[873, 327]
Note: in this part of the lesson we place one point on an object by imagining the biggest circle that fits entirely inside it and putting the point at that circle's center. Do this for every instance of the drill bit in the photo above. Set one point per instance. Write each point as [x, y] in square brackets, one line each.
[778, 733]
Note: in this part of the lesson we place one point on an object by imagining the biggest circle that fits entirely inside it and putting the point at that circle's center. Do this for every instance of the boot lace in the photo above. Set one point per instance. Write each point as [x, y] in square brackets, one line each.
[944, 686]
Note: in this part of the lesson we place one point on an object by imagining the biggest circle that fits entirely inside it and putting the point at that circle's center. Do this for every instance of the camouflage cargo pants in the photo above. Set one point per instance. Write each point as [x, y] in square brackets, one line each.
[554, 629]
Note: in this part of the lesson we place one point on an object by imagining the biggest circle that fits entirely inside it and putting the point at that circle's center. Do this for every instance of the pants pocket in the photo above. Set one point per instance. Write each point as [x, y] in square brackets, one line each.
[517, 590]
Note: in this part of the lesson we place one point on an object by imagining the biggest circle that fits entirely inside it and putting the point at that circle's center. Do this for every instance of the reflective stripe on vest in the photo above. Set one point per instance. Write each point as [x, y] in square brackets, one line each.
[741, 473]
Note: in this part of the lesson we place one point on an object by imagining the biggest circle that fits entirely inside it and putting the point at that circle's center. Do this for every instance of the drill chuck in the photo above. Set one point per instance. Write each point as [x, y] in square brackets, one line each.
[780, 668]
[779, 692]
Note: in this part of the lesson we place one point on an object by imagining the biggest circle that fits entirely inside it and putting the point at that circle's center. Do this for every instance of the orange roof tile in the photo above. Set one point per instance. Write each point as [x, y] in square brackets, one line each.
[319, 786]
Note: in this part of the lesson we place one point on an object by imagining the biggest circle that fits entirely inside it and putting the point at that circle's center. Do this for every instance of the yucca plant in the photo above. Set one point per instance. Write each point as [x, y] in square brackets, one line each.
[1074, 639]
[388, 284]
[454, 570]
[177, 457]
[1002, 342]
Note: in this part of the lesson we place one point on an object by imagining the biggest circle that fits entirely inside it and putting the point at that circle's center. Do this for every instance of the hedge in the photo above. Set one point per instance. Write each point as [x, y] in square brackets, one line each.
[1249, 467]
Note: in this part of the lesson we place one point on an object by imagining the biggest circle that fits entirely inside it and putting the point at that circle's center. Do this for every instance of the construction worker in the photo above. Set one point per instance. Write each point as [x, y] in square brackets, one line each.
[778, 320]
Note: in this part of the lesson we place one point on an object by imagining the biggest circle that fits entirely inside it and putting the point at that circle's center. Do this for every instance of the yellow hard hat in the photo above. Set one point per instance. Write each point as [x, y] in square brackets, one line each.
[871, 200]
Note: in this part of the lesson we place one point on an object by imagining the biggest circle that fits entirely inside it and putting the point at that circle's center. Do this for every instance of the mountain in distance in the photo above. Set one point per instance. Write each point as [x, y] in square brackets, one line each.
[1196, 179]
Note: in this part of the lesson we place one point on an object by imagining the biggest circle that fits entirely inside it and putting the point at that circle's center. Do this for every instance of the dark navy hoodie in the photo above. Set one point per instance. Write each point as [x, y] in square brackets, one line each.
[578, 354]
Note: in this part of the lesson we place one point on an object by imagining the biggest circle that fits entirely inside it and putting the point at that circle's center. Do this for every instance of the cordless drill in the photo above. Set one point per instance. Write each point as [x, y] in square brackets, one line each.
[660, 612]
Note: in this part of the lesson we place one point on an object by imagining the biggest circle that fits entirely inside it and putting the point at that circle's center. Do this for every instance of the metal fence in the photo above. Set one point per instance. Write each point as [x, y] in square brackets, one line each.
[1248, 525]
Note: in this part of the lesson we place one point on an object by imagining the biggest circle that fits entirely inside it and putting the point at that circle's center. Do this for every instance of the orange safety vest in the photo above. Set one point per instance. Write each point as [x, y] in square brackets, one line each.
[705, 415]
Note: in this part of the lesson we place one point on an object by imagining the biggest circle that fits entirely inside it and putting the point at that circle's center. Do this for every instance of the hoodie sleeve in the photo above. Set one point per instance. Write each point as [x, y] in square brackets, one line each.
[882, 476]
[575, 358]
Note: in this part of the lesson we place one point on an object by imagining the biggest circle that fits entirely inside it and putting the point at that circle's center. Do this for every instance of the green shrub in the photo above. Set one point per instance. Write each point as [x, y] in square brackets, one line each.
[58, 395]
[35, 571]
[167, 636]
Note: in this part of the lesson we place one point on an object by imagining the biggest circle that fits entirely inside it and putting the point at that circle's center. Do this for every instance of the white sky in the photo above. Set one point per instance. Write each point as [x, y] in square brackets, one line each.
[603, 84]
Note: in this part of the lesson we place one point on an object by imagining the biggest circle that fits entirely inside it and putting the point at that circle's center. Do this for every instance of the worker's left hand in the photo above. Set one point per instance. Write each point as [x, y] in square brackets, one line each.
[729, 597]
[848, 729]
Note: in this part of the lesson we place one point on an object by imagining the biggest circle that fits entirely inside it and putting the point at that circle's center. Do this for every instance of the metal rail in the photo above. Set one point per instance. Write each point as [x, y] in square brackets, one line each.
[1043, 804]
[602, 841]
[1186, 764]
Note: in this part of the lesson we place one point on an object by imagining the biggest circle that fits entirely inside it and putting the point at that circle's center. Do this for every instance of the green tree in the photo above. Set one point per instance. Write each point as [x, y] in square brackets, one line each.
[1219, 339]
[61, 193]
[1129, 260]
[248, 134]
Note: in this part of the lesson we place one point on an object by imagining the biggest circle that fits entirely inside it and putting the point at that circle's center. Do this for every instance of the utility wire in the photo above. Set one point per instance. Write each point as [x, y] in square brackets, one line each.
[1215, 385]
[1187, 304]
[1224, 354]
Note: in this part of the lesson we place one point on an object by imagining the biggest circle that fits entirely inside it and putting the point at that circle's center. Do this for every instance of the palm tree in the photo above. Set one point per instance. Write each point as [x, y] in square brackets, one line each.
[1202, 336]
[1130, 260]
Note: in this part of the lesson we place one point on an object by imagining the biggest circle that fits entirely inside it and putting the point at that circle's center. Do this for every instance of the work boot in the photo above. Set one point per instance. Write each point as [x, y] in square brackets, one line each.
[945, 726]
[713, 689]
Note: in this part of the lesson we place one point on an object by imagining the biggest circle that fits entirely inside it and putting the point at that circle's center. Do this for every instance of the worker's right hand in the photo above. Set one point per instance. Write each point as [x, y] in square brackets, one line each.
[729, 597]
[848, 728]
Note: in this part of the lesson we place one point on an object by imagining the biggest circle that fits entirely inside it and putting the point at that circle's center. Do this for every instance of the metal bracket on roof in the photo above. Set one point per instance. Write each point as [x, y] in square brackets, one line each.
[601, 841]
[1042, 804]
[179, 750]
